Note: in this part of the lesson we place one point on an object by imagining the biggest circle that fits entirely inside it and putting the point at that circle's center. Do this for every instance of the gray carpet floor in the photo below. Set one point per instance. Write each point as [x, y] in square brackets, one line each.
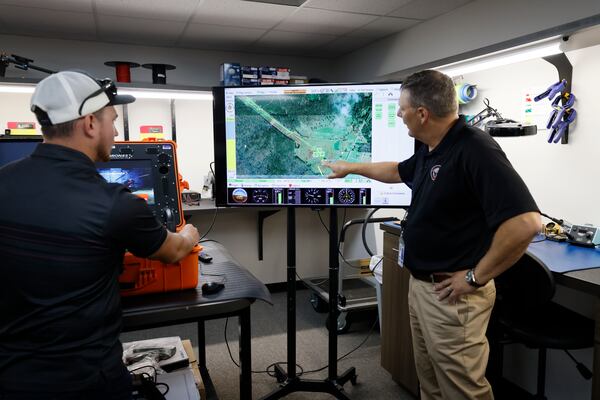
[269, 345]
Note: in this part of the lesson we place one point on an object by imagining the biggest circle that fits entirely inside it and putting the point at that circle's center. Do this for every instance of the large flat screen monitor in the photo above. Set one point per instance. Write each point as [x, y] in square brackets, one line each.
[270, 144]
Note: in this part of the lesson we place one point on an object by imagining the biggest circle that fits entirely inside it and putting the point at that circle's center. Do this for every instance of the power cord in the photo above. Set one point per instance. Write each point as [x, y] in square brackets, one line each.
[351, 351]
[210, 166]
[339, 243]
[301, 370]
[146, 384]
[267, 370]
[211, 224]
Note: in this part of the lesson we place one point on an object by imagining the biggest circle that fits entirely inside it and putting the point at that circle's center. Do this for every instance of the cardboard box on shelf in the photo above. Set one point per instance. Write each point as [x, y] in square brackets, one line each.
[187, 345]
[267, 72]
[231, 74]
[282, 73]
[250, 82]
[267, 82]
[298, 80]
[249, 72]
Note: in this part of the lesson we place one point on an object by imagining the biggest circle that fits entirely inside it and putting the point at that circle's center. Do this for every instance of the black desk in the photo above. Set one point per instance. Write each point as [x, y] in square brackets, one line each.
[241, 289]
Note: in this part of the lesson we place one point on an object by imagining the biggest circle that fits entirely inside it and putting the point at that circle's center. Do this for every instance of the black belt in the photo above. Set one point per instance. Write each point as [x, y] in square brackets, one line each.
[435, 277]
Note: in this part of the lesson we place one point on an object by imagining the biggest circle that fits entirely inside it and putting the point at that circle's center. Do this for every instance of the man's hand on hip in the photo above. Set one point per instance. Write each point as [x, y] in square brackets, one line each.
[452, 288]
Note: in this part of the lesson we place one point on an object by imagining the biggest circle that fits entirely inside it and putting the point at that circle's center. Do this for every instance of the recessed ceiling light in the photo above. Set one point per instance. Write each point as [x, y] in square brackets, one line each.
[294, 3]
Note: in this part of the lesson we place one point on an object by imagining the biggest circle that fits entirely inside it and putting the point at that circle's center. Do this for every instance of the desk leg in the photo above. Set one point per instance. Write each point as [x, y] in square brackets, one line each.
[596, 370]
[201, 344]
[245, 355]
[211, 393]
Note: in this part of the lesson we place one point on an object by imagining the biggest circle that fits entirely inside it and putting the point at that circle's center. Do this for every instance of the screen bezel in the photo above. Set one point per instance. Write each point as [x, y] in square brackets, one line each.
[221, 193]
[8, 139]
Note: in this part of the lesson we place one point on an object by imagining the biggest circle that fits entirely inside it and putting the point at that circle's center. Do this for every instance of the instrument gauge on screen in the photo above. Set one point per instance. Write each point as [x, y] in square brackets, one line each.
[346, 196]
[314, 196]
[261, 196]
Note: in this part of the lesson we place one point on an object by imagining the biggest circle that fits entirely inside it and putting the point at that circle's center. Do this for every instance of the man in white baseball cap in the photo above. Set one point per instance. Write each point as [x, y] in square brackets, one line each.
[63, 234]
[72, 100]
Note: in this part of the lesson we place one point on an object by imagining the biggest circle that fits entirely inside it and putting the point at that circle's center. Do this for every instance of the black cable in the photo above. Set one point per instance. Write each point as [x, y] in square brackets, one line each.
[266, 371]
[364, 231]
[210, 240]
[318, 283]
[142, 367]
[223, 276]
[211, 224]
[351, 351]
[299, 370]
[322, 223]
[339, 244]
[165, 385]
[561, 223]
[216, 208]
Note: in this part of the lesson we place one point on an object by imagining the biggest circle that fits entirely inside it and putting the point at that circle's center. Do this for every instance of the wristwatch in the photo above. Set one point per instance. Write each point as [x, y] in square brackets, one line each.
[470, 278]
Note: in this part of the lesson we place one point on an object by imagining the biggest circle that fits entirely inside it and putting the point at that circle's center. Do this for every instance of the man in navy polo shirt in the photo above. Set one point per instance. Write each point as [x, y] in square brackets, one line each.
[63, 234]
[470, 219]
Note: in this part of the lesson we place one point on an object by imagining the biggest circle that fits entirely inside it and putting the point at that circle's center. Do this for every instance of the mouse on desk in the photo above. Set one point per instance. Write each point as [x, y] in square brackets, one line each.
[204, 257]
[212, 287]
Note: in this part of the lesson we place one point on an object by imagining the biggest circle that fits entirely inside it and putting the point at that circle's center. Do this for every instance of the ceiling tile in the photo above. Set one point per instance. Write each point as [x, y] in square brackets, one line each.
[310, 20]
[219, 37]
[292, 40]
[179, 10]
[44, 22]
[374, 7]
[426, 9]
[241, 13]
[64, 5]
[340, 46]
[140, 31]
[383, 26]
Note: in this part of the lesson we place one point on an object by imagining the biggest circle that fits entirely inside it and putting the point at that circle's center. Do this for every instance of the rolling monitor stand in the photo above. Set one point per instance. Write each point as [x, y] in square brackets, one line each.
[291, 382]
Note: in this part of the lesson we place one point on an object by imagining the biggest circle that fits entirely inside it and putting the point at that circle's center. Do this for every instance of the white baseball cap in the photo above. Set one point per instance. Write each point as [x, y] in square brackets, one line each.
[69, 95]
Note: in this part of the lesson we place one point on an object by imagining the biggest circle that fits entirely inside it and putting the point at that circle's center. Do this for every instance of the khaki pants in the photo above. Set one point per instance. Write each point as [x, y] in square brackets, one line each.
[449, 342]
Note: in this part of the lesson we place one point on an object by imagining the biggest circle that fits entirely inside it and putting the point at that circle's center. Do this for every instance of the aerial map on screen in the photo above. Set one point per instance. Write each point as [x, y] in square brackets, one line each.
[290, 136]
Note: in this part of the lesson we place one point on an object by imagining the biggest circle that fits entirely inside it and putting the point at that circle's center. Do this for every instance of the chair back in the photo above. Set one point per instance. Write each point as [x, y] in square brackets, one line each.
[526, 285]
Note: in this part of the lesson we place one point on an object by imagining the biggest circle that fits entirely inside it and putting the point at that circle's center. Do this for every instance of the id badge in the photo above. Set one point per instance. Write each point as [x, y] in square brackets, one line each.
[401, 252]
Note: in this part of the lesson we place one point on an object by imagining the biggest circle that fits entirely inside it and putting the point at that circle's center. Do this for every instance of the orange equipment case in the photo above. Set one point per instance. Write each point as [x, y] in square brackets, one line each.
[150, 171]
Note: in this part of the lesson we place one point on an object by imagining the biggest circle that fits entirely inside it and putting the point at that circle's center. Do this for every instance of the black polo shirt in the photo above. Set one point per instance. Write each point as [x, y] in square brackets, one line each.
[63, 234]
[462, 191]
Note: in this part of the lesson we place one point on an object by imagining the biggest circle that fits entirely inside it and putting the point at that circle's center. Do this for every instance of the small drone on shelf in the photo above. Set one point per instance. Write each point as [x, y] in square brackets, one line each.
[499, 126]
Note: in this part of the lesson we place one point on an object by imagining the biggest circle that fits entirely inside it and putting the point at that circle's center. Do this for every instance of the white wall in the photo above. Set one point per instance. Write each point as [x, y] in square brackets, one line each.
[471, 27]
[194, 67]
[237, 230]
[560, 177]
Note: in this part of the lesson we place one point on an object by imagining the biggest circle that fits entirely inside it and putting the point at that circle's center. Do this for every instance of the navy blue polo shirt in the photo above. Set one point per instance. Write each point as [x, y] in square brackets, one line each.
[63, 235]
[462, 191]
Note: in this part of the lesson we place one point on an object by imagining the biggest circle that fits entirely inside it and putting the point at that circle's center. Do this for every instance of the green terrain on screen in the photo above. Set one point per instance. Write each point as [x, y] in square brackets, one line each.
[290, 135]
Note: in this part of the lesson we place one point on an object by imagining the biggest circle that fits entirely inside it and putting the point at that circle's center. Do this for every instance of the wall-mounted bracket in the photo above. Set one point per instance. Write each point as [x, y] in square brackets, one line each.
[565, 71]
[262, 215]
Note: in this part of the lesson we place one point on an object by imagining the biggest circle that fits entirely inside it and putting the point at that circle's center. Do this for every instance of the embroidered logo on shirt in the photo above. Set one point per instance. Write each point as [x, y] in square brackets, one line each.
[434, 172]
